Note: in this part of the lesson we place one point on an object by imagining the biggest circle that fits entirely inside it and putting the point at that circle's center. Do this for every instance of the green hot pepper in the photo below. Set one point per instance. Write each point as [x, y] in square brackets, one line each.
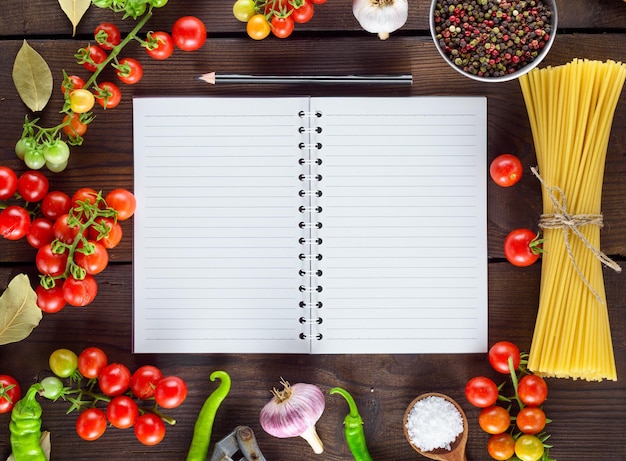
[204, 424]
[25, 427]
[353, 428]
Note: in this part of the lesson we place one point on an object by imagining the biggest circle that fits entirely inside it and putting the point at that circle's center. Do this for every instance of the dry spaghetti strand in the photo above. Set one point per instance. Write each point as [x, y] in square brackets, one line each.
[571, 109]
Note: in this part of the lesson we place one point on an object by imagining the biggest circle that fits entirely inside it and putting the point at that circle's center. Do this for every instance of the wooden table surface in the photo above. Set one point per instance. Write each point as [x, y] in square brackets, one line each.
[587, 418]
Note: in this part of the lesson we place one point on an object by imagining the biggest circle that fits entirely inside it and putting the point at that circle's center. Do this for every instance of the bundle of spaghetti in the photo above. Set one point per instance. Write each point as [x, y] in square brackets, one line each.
[571, 109]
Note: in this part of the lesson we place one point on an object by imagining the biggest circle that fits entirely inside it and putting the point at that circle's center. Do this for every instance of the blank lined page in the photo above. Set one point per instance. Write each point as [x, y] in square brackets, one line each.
[216, 265]
[403, 225]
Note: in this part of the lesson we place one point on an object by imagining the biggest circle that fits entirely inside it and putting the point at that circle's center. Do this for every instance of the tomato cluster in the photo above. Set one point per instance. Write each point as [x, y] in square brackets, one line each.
[519, 435]
[277, 17]
[39, 146]
[131, 400]
[72, 235]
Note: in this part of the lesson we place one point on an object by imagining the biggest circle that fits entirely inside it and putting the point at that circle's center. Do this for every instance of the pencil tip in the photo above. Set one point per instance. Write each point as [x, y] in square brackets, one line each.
[208, 78]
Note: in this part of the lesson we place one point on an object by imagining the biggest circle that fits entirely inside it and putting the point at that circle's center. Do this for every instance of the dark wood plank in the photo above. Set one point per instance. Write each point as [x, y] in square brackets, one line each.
[42, 17]
[105, 159]
[587, 422]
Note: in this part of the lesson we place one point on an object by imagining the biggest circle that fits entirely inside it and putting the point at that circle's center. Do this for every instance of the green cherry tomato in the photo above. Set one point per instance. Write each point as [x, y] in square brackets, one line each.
[528, 447]
[63, 363]
[52, 387]
[243, 10]
[23, 145]
[34, 159]
[158, 3]
[57, 152]
[56, 167]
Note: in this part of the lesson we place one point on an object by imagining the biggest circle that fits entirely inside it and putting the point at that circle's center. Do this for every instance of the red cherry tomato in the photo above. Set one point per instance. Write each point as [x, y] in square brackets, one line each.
[51, 300]
[506, 170]
[10, 393]
[97, 56]
[107, 35]
[532, 390]
[494, 419]
[50, 263]
[63, 231]
[149, 429]
[522, 247]
[129, 71]
[123, 201]
[109, 95]
[106, 231]
[55, 204]
[91, 424]
[72, 82]
[144, 380]
[160, 45]
[282, 27]
[8, 183]
[481, 392]
[40, 233]
[32, 186]
[91, 362]
[122, 412]
[170, 392]
[114, 379]
[189, 33]
[14, 222]
[96, 261]
[304, 13]
[74, 128]
[531, 420]
[84, 194]
[501, 447]
[80, 292]
[499, 355]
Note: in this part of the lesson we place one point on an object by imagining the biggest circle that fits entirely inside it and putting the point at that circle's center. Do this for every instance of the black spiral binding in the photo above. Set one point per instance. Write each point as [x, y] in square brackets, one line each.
[310, 256]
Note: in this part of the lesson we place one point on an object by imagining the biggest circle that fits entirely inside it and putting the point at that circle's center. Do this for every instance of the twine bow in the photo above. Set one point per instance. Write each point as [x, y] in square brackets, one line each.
[562, 219]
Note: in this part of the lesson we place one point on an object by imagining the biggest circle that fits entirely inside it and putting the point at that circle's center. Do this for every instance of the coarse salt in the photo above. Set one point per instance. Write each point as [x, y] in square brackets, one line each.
[433, 423]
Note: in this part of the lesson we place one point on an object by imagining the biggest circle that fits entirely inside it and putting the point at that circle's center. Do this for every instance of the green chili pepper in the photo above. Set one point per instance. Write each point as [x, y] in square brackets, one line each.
[204, 424]
[353, 428]
[25, 427]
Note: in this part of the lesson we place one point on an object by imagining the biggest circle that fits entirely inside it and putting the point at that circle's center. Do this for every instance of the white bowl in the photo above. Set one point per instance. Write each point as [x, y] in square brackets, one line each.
[531, 63]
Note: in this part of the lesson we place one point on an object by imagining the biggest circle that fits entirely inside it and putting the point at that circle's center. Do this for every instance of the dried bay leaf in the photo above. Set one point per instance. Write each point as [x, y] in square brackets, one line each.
[74, 10]
[32, 78]
[19, 313]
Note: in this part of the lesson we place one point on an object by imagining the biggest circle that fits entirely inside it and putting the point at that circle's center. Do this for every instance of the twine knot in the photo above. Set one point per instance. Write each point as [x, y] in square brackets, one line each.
[562, 219]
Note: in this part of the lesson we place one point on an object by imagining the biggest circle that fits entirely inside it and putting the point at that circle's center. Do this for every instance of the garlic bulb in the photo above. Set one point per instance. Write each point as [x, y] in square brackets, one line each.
[293, 412]
[381, 16]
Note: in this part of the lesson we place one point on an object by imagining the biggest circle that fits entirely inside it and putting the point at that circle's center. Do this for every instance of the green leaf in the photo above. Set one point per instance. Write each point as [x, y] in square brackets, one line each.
[32, 78]
[19, 313]
[74, 10]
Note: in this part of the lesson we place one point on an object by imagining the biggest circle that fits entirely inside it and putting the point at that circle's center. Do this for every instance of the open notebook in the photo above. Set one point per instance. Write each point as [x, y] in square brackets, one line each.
[310, 225]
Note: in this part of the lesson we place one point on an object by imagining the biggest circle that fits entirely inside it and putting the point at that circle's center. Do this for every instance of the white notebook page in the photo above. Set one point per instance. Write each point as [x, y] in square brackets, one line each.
[403, 225]
[403, 212]
[216, 230]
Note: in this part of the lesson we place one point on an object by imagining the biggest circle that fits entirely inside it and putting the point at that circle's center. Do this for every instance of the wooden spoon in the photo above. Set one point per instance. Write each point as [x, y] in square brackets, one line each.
[457, 448]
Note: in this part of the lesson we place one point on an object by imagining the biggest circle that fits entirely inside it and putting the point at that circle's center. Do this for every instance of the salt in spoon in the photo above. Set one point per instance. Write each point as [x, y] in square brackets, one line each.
[457, 448]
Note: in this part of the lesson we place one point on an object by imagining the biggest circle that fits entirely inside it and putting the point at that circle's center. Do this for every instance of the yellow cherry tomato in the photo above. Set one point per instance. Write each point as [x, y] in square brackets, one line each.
[81, 101]
[243, 10]
[529, 447]
[257, 27]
